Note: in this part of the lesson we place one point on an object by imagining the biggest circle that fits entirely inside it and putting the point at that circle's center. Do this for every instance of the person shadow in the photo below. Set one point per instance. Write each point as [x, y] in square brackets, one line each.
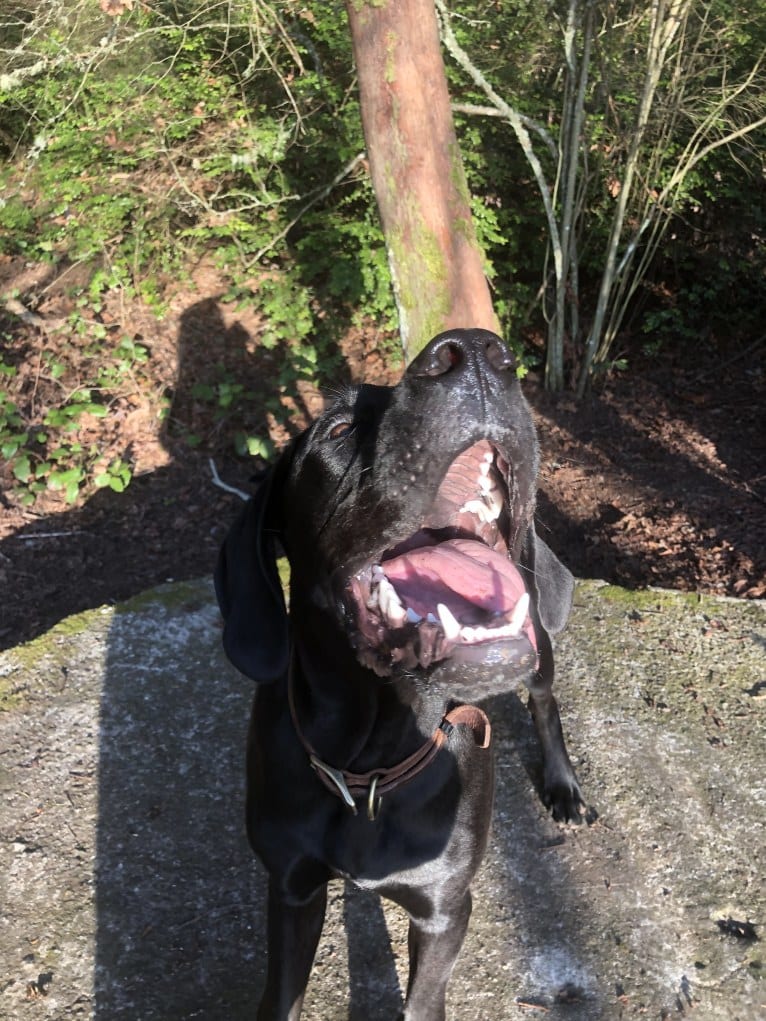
[179, 898]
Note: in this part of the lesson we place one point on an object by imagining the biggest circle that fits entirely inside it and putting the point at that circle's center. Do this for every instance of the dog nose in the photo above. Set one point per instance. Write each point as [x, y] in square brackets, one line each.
[457, 350]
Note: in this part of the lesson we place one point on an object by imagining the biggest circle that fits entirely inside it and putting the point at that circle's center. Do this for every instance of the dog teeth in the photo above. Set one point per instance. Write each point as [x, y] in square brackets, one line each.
[519, 615]
[383, 597]
[473, 507]
[480, 509]
[390, 603]
[488, 507]
[449, 624]
[454, 631]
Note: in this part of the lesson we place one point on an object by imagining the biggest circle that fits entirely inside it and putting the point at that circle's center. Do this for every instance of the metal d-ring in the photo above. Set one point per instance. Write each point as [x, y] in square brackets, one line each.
[373, 804]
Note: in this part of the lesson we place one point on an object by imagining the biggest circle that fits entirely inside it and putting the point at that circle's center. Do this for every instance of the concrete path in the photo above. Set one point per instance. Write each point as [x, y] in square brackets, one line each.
[128, 892]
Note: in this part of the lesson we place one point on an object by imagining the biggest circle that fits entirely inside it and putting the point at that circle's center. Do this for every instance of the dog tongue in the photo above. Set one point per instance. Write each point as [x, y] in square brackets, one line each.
[474, 581]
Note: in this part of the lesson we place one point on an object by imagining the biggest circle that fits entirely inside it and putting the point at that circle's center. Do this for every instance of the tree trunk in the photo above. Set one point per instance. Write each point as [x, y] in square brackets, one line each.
[436, 263]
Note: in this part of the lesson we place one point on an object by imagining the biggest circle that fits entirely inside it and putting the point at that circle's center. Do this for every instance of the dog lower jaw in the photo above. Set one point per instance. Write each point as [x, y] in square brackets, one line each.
[417, 644]
[478, 670]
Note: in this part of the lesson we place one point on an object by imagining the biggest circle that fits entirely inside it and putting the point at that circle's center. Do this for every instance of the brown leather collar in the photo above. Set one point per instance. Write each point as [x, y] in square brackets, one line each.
[376, 782]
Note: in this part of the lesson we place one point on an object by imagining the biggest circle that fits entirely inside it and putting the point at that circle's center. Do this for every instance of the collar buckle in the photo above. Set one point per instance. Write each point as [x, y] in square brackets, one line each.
[337, 778]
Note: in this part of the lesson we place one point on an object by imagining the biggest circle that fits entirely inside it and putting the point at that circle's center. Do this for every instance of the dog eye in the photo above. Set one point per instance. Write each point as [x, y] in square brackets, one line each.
[339, 430]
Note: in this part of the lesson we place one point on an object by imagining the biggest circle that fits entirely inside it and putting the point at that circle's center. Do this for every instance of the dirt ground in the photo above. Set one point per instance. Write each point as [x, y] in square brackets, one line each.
[656, 478]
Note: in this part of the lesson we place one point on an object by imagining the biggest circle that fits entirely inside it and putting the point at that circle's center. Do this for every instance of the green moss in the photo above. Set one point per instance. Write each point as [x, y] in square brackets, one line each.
[50, 644]
[9, 697]
[647, 599]
[463, 223]
[187, 595]
[51, 648]
[77, 624]
[421, 277]
[390, 69]
[361, 5]
[191, 594]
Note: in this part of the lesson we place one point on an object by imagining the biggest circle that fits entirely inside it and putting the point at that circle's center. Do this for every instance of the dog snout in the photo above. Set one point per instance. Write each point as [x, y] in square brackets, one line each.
[456, 352]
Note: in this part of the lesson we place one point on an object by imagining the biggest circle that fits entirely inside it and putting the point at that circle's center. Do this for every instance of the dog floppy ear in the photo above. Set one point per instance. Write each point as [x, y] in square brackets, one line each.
[550, 584]
[255, 636]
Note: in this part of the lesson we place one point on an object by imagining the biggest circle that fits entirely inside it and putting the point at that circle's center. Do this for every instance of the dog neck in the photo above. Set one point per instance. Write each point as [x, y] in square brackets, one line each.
[351, 717]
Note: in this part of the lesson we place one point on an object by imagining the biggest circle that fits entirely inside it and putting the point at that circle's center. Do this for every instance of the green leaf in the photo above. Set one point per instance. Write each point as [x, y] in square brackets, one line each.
[22, 469]
[55, 417]
[86, 407]
[255, 446]
[66, 479]
[204, 391]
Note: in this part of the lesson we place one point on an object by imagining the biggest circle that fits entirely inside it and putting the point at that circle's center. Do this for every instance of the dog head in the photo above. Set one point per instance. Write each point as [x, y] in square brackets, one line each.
[406, 514]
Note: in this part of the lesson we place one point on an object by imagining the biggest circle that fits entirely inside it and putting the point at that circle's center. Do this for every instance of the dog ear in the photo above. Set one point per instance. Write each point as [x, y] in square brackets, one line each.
[255, 635]
[550, 584]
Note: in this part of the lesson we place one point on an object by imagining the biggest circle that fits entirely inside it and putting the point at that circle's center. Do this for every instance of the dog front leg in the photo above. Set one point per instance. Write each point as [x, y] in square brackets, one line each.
[434, 944]
[293, 935]
[561, 790]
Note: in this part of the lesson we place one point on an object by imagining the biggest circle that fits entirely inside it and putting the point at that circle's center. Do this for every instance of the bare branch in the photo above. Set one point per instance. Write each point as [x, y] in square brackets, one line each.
[473, 109]
[217, 481]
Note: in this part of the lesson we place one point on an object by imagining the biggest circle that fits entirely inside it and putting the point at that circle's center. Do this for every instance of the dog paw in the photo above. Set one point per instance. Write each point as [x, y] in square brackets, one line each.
[566, 802]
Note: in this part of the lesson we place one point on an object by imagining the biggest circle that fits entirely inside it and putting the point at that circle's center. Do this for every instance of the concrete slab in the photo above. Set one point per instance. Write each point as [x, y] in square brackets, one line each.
[129, 892]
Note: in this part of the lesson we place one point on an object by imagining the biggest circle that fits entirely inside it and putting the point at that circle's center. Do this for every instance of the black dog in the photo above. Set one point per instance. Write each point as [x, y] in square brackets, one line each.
[417, 580]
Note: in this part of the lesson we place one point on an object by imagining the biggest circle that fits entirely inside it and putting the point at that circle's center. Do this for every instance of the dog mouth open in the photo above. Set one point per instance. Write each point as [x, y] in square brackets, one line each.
[450, 590]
